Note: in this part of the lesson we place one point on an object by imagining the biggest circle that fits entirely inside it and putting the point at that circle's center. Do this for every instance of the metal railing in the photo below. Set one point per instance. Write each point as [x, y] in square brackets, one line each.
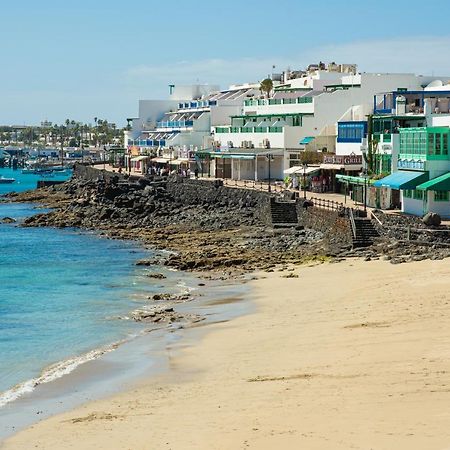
[415, 235]
[275, 186]
[352, 223]
[327, 204]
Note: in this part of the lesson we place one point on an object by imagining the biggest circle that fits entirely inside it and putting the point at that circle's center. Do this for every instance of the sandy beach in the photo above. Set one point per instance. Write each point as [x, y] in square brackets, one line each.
[349, 355]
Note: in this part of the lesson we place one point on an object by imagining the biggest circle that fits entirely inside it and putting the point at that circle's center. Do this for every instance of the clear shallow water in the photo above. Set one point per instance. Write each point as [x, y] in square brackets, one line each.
[23, 182]
[61, 292]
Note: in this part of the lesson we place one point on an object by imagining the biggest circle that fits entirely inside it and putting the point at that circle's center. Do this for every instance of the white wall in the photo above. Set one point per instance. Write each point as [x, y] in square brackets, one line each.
[276, 139]
[203, 123]
[152, 111]
[345, 148]
[441, 208]
[221, 115]
[437, 167]
[412, 206]
[188, 139]
[421, 207]
[293, 108]
[440, 120]
[243, 169]
[276, 168]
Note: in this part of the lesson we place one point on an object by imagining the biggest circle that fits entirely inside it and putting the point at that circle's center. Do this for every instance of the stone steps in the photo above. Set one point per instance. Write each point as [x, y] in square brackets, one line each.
[365, 233]
[283, 213]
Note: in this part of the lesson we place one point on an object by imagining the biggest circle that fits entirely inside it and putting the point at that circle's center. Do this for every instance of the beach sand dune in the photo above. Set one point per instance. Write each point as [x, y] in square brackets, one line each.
[354, 355]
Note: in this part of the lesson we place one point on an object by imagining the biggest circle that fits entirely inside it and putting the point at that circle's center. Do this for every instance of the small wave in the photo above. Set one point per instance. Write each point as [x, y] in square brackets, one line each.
[53, 372]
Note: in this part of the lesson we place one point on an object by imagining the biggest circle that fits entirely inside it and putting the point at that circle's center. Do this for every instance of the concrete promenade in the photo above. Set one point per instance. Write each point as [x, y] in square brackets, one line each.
[278, 186]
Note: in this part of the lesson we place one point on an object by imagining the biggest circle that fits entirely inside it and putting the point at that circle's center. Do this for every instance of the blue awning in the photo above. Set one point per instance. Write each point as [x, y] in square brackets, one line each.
[403, 179]
[307, 140]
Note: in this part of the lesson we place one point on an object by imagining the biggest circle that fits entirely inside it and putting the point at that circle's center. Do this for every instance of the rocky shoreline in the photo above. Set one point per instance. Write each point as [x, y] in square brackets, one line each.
[225, 230]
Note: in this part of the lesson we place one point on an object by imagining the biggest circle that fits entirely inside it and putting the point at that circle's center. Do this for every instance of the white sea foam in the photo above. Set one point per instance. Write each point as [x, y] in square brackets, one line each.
[52, 373]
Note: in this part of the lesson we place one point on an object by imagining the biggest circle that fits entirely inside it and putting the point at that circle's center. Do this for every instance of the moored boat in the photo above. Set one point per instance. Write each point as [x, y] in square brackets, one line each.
[5, 180]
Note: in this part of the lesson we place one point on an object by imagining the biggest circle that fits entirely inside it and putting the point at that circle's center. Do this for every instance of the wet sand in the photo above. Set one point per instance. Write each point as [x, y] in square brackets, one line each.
[133, 359]
[348, 355]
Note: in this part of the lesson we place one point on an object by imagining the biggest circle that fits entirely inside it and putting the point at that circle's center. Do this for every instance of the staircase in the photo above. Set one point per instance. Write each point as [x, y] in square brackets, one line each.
[283, 214]
[364, 232]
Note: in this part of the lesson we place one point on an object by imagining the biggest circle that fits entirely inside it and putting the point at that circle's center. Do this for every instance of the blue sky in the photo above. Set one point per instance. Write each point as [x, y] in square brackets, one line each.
[86, 59]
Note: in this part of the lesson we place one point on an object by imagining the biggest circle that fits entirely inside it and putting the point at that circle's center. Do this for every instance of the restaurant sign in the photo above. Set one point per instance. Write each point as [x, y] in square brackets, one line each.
[346, 160]
[413, 164]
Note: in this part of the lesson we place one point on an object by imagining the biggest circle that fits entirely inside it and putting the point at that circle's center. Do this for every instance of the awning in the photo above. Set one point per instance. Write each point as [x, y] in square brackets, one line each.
[441, 183]
[139, 158]
[242, 156]
[347, 167]
[299, 170]
[307, 140]
[403, 179]
[353, 180]
[161, 160]
[332, 166]
[233, 156]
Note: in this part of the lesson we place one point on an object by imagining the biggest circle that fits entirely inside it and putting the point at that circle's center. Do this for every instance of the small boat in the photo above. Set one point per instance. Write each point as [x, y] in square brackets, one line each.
[4, 180]
[46, 174]
[28, 171]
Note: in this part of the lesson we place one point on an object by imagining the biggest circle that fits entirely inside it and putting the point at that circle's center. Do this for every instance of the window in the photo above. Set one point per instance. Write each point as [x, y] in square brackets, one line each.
[351, 132]
[441, 196]
[418, 195]
[407, 193]
[437, 144]
[415, 150]
[431, 144]
[445, 144]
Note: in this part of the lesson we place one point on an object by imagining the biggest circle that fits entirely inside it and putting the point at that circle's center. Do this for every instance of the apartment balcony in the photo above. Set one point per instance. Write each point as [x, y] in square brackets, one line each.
[221, 130]
[175, 124]
[148, 143]
[197, 104]
[278, 101]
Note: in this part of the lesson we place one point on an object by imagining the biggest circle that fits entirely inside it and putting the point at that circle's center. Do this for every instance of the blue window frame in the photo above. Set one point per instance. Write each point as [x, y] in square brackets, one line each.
[352, 131]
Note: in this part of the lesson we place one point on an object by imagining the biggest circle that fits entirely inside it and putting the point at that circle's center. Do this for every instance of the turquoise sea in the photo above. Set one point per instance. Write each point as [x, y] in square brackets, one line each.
[61, 293]
[23, 182]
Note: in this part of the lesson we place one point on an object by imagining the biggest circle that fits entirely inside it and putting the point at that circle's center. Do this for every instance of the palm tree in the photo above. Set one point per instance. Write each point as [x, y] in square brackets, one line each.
[266, 86]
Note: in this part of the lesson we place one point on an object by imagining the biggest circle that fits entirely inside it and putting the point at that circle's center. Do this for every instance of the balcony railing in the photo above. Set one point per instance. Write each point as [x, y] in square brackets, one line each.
[221, 130]
[278, 101]
[175, 124]
[149, 143]
[197, 104]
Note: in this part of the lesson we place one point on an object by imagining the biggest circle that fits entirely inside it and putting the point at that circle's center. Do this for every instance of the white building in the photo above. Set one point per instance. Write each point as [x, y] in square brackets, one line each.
[303, 112]
[416, 128]
[172, 130]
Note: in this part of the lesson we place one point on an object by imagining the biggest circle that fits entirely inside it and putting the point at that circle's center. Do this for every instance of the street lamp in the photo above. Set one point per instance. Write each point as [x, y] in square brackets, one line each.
[269, 156]
[305, 166]
[364, 175]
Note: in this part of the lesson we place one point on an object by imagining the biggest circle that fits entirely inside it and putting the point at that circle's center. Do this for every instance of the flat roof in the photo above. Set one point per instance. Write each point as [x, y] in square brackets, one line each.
[246, 116]
[414, 92]
[399, 116]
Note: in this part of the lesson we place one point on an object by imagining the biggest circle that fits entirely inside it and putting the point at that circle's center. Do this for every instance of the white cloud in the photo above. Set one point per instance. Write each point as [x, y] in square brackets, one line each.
[421, 55]
[212, 71]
